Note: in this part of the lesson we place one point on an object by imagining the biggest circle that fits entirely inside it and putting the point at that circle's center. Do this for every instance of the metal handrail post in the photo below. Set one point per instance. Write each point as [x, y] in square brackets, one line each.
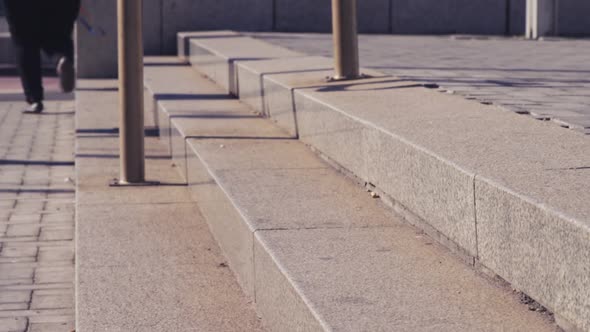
[345, 35]
[131, 128]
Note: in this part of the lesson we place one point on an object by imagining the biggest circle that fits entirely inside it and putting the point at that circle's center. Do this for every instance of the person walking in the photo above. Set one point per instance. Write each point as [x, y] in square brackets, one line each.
[42, 25]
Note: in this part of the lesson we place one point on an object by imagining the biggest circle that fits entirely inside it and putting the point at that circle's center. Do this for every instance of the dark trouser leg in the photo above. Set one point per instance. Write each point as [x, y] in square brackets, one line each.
[22, 17]
[58, 26]
[29, 65]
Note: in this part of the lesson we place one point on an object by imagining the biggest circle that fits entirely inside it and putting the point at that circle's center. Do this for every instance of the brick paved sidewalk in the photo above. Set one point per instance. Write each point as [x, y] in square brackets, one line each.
[36, 217]
[546, 79]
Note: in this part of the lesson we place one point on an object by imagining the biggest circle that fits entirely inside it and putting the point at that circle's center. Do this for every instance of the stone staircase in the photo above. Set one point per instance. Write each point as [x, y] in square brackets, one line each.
[475, 202]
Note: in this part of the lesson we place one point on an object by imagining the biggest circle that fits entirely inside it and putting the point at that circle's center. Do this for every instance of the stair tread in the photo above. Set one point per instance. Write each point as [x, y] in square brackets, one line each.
[352, 262]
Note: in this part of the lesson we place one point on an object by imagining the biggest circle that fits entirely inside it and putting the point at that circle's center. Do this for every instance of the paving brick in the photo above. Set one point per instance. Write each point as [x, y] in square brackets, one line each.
[58, 217]
[60, 205]
[28, 264]
[52, 301]
[54, 275]
[15, 260]
[56, 254]
[51, 327]
[23, 230]
[15, 297]
[25, 218]
[6, 204]
[28, 206]
[55, 234]
[9, 273]
[9, 251]
[16, 324]
[14, 306]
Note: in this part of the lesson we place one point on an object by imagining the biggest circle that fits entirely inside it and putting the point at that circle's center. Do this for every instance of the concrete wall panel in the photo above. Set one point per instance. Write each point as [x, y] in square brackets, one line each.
[97, 47]
[152, 26]
[316, 16]
[187, 15]
[573, 17]
[517, 12]
[449, 16]
[479, 16]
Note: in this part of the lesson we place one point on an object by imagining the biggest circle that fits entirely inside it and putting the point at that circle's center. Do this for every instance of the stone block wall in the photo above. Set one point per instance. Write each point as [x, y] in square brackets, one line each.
[164, 18]
[573, 17]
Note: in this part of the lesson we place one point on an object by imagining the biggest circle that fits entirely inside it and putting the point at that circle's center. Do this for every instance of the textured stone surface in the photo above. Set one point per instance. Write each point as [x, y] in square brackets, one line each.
[178, 150]
[216, 57]
[279, 105]
[268, 85]
[99, 171]
[524, 242]
[289, 312]
[162, 247]
[401, 281]
[183, 298]
[305, 205]
[165, 237]
[225, 222]
[244, 125]
[433, 189]
[511, 73]
[13, 324]
[213, 66]
[183, 39]
[340, 138]
[513, 151]
[256, 154]
[36, 161]
[250, 88]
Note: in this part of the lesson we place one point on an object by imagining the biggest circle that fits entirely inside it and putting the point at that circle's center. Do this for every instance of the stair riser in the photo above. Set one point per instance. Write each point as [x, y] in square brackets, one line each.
[435, 189]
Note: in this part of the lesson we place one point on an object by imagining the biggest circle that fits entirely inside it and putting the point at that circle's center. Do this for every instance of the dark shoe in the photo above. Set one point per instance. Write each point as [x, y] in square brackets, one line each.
[65, 70]
[34, 108]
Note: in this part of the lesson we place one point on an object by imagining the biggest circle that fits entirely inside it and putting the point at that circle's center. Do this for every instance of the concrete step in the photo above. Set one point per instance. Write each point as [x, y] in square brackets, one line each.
[216, 53]
[493, 186]
[312, 248]
[145, 260]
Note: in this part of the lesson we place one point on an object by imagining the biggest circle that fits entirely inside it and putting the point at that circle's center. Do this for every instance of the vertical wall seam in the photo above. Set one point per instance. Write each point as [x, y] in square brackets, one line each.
[390, 17]
[555, 22]
[475, 219]
[274, 15]
[161, 27]
[263, 108]
[185, 141]
[254, 281]
[294, 107]
[508, 23]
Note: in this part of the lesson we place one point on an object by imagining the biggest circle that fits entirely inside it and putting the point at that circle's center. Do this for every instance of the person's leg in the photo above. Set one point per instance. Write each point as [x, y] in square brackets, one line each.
[57, 39]
[29, 64]
[20, 15]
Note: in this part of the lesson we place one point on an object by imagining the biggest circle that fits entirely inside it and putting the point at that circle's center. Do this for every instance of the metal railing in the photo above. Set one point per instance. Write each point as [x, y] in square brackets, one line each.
[131, 127]
[345, 35]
